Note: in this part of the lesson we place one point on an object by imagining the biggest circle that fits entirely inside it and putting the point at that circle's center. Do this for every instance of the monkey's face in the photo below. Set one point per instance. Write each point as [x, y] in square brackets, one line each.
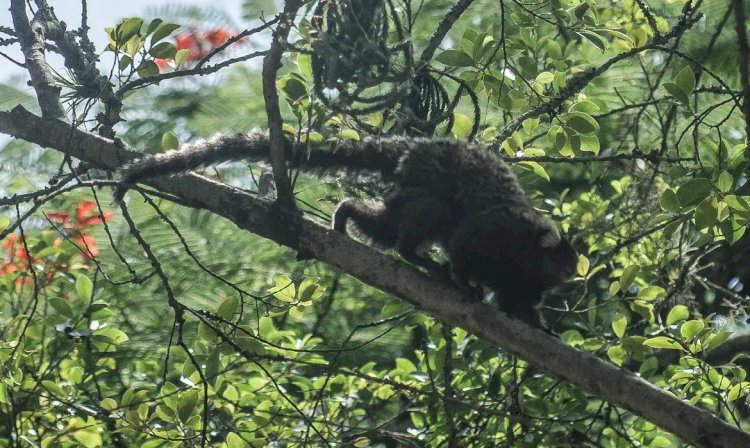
[558, 263]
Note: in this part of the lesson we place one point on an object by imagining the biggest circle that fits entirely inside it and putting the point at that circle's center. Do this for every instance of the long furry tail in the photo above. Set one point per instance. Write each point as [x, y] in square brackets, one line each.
[370, 154]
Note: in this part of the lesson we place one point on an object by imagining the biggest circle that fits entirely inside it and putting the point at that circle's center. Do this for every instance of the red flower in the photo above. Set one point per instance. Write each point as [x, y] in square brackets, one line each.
[59, 217]
[10, 242]
[86, 215]
[83, 220]
[200, 44]
[217, 37]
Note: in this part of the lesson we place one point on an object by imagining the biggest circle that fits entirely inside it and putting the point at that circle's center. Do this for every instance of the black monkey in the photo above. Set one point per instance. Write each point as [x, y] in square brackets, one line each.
[458, 196]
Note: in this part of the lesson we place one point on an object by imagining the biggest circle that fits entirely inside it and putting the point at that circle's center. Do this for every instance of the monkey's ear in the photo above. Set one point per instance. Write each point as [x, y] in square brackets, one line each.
[551, 238]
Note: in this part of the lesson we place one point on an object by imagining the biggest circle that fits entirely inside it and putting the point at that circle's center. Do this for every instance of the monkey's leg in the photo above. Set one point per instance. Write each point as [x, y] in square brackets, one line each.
[372, 218]
[521, 305]
[423, 221]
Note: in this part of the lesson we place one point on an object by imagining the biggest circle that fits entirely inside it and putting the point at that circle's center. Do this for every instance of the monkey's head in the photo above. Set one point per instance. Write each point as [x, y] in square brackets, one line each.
[557, 258]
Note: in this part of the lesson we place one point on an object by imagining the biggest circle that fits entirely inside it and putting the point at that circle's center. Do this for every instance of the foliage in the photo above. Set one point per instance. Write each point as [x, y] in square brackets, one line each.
[156, 325]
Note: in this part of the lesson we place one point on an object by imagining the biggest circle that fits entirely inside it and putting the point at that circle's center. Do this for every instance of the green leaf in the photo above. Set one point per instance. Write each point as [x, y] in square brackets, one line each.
[405, 366]
[112, 334]
[614, 288]
[293, 87]
[4, 222]
[592, 344]
[619, 324]
[163, 50]
[545, 77]
[186, 404]
[169, 141]
[147, 69]
[235, 441]
[455, 58]
[462, 125]
[677, 313]
[689, 329]
[595, 39]
[89, 436]
[617, 355]
[182, 56]
[206, 333]
[163, 31]
[54, 388]
[361, 442]
[628, 275]
[212, 366]
[583, 265]
[581, 122]
[153, 25]
[228, 308]
[530, 124]
[589, 143]
[669, 201]
[652, 293]
[717, 339]
[109, 404]
[706, 214]
[84, 287]
[677, 93]
[572, 338]
[725, 182]
[560, 79]
[686, 80]
[585, 106]
[731, 229]
[693, 191]
[284, 289]
[304, 65]
[309, 290]
[125, 62]
[739, 203]
[535, 168]
[61, 306]
[662, 342]
[554, 50]
[127, 29]
[314, 138]
[348, 134]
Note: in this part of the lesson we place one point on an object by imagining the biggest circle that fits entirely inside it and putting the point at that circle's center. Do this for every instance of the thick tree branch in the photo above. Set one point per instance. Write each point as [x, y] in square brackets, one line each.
[31, 38]
[582, 369]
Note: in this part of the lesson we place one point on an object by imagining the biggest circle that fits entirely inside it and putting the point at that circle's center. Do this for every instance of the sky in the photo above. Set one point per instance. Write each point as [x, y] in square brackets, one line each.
[102, 13]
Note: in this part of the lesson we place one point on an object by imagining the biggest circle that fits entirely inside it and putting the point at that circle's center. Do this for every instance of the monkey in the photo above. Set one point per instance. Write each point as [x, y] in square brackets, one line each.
[447, 193]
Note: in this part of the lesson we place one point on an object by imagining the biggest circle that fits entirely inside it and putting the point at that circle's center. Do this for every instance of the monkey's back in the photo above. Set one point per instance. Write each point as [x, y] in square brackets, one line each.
[467, 179]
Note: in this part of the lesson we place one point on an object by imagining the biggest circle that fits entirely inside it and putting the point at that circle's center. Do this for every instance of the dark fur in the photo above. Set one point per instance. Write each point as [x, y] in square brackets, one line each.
[463, 198]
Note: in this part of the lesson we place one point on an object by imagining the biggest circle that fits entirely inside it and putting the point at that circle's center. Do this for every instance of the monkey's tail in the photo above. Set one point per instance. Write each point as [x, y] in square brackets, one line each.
[369, 154]
[203, 152]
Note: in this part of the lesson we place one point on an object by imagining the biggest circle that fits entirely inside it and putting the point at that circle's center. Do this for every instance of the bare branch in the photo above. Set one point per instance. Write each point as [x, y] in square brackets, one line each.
[271, 65]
